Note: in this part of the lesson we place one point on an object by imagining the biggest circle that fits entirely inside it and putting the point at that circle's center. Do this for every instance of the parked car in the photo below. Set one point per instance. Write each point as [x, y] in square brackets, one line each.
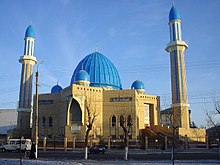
[96, 149]
[16, 145]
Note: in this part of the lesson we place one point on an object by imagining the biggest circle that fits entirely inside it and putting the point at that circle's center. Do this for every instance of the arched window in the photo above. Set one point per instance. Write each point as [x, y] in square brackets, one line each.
[122, 121]
[43, 121]
[129, 121]
[50, 121]
[113, 121]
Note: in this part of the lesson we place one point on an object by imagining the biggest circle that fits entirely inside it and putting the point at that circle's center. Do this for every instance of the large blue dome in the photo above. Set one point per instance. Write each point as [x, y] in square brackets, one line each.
[101, 71]
[29, 32]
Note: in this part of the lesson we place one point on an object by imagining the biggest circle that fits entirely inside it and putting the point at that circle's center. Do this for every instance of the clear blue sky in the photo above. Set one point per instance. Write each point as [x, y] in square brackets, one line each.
[132, 34]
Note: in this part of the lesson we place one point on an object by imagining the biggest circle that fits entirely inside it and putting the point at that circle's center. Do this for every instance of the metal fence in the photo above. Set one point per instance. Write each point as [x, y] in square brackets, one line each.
[157, 143]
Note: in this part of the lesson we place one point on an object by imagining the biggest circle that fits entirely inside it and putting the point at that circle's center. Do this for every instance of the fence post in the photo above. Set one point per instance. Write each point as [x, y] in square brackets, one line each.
[74, 143]
[45, 143]
[65, 143]
[219, 152]
[54, 145]
[146, 143]
[186, 142]
[109, 142]
[165, 141]
[207, 142]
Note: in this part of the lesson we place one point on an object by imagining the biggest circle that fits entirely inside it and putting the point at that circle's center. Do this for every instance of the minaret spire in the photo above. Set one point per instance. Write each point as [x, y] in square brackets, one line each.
[25, 97]
[176, 48]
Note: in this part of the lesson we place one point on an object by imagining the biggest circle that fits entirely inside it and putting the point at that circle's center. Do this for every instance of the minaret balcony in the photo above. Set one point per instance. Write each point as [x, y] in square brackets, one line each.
[25, 57]
[172, 45]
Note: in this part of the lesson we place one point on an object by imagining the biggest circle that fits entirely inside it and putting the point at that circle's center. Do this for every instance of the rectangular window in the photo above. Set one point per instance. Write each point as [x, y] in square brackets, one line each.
[146, 115]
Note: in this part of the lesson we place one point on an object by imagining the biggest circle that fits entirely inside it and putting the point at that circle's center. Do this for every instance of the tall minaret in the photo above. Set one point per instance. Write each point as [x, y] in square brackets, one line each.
[25, 97]
[176, 48]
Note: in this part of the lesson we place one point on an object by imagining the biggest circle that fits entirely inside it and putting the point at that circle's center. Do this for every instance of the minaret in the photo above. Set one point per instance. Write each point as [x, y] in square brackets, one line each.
[25, 97]
[176, 48]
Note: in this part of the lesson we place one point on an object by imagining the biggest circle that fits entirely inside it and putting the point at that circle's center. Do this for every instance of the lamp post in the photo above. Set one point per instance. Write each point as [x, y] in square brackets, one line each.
[36, 112]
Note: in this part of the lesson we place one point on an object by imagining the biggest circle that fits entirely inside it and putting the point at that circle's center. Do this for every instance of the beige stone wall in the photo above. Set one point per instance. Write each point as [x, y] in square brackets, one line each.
[49, 106]
[194, 134]
[101, 101]
[154, 111]
[134, 107]
[115, 103]
[90, 97]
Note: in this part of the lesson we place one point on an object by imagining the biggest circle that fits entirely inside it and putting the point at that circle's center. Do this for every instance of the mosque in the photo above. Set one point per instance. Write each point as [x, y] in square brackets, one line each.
[96, 88]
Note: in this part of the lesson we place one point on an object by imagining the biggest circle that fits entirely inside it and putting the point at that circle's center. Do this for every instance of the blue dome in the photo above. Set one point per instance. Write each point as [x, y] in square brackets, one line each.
[56, 89]
[82, 75]
[174, 14]
[29, 32]
[137, 85]
[101, 71]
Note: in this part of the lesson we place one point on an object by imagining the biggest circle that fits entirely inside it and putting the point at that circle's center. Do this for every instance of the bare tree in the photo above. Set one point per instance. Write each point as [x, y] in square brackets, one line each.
[170, 117]
[126, 130]
[213, 117]
[91, 117]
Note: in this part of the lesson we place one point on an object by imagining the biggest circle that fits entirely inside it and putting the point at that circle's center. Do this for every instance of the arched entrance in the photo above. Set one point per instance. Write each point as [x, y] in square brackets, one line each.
[75, 113]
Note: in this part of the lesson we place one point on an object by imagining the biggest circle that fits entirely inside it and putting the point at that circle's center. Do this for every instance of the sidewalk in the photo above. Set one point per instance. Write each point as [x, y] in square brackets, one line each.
[93, 162]
[138, 151]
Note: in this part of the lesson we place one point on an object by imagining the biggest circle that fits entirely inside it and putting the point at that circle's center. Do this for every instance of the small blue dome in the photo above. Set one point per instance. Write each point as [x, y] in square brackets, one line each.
[56, 89]
[82, 75]
[102, 72]
[174, 14]
[137, 85]
[29, 32]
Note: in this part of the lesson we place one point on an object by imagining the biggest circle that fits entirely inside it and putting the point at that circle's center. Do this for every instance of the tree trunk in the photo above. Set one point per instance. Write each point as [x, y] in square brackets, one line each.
[86, 139]
[126, 145]
[126, 153]
[86, 153]
[86, 144]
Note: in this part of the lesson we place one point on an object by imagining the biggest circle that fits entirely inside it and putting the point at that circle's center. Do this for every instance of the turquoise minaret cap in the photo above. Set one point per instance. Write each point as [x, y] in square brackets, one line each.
[29, 32]
[174, 14]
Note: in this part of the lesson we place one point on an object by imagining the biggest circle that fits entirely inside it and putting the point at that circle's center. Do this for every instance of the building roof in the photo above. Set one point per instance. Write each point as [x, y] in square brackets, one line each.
[30, 32]
[101, 70]
[174, 14]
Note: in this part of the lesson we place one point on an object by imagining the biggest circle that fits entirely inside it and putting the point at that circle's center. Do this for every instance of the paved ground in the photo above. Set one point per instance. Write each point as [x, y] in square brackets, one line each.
[146, 158]
[92, 162]
[116, 156]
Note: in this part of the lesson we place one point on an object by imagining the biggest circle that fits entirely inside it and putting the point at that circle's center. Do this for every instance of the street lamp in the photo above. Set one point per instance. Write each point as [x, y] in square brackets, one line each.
[36, 112]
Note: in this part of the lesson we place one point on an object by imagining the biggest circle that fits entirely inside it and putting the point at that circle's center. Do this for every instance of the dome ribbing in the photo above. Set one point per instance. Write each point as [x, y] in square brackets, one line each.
[101, 71]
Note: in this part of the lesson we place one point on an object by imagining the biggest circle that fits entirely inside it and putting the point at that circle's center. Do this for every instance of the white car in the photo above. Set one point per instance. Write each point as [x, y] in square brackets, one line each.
[16, 145]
